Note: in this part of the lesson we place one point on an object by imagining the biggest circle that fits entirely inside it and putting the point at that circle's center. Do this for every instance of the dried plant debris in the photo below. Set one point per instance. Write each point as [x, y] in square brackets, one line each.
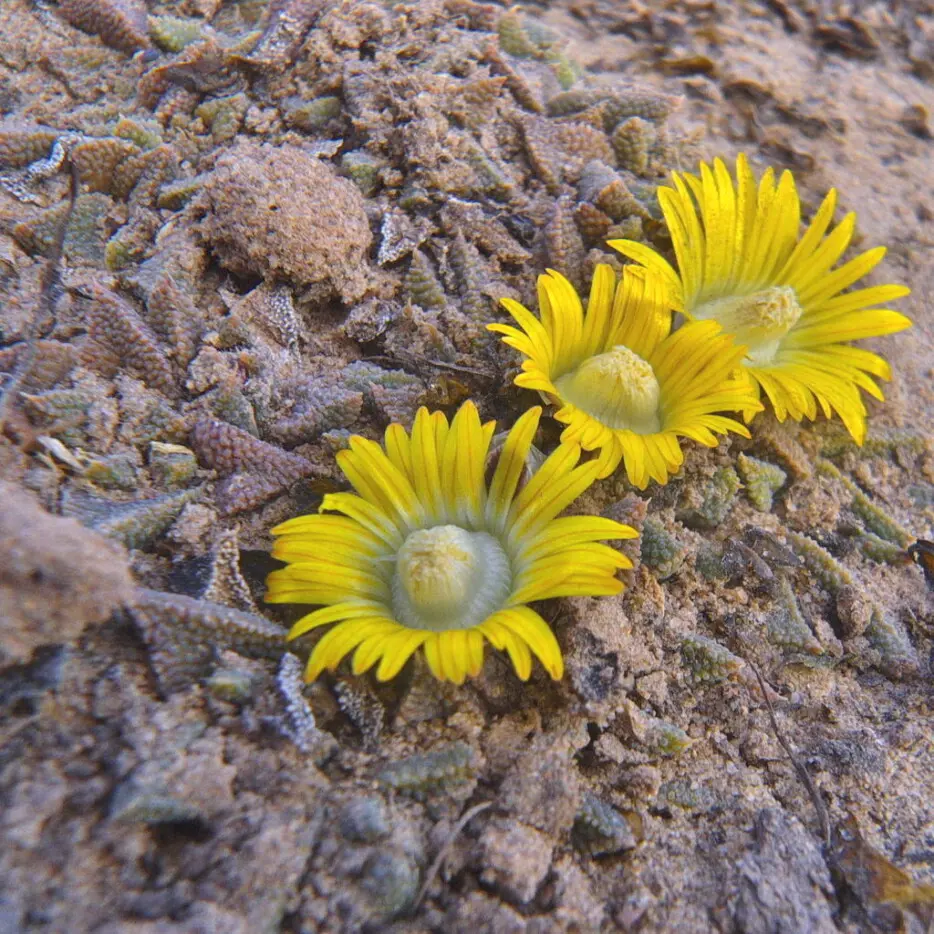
[267, 311]
[298, 722]
[399, 236]
[887, 893]
[739, 561]
[287, 23]
[361, 706]
[768, 547]
[226, 584]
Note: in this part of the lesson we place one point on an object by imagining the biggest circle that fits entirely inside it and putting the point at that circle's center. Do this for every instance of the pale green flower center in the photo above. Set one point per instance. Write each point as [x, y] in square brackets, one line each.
[617, 388]
[759, 320]
[449, 578]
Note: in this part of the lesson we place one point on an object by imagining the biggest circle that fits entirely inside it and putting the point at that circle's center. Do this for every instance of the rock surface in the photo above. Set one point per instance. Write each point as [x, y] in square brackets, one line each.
[280, 214]
[56, 577]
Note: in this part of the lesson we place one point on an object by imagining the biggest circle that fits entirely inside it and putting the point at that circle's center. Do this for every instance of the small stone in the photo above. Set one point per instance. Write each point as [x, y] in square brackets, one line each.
[516, 859]
[543, 789]
[391, 880]
[172, 465]
[280, 213]
[233, 685]
[854, 610]
[55, 577]
[365, 820]
[783, 874]
[134, 804]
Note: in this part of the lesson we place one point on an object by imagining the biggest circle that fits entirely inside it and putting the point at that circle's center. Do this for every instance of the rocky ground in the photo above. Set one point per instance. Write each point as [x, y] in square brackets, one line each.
[233, 233]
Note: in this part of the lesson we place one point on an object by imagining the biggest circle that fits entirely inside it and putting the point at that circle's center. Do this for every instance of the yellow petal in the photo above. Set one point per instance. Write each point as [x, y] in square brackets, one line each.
[528, 627]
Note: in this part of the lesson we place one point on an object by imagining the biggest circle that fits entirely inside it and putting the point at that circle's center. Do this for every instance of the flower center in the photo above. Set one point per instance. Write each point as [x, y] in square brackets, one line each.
[617, 388]
[759, 320]
[449, 578]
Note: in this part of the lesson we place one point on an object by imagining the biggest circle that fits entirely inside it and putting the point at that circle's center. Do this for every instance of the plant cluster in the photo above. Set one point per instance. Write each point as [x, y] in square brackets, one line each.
[449, 536]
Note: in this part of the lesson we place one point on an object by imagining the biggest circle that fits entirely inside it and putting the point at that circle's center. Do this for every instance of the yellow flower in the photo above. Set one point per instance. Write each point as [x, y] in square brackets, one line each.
[743, 264]
[428, 554]
[624, 383]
